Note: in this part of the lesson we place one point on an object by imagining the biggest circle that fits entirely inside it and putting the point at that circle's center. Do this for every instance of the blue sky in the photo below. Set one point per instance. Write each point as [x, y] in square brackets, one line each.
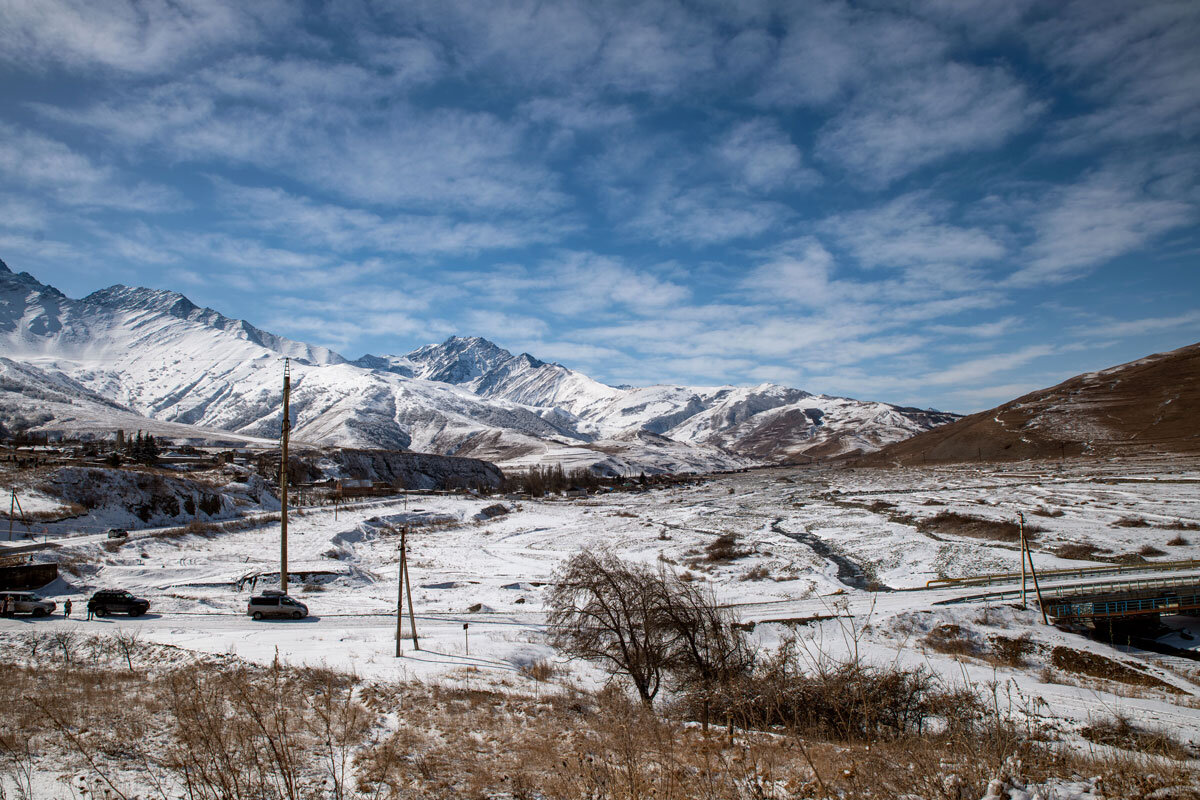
[942, 203]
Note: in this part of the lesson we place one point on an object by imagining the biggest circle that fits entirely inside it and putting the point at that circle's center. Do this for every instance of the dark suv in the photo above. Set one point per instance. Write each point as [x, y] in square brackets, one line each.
[117, 601]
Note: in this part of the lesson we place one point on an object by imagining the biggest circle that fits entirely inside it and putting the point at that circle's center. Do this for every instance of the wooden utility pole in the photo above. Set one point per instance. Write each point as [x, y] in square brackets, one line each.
[1027, 553]
[283, 475]
[1021, 522]
[400, 596]
[404, 588]
[14, 506]
[412, 616]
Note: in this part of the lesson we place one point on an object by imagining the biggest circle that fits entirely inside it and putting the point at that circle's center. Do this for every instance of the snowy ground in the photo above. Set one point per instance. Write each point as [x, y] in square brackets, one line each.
[491, 574]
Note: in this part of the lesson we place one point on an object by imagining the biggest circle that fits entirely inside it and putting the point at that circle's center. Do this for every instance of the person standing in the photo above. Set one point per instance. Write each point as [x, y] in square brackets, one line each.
[67, 609]
[89, 607]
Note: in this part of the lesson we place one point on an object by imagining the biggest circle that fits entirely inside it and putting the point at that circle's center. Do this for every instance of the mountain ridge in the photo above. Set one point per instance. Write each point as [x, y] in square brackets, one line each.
[1148, 405]
[158, 354]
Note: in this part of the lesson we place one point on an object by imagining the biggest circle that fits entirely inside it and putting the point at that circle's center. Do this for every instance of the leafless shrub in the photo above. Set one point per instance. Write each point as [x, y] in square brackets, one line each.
[127, 642]
[845, 701]
[1048, 512]
[951, 640]
[724, 549]
[66, 640]
[1177, 541]
[1149, 550]
[540, 670]
[1010, 652]
[759, 573]
[1131, 522]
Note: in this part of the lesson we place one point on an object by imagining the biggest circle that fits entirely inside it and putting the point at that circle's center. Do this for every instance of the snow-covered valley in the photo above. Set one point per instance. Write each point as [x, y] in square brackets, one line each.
[795, 533]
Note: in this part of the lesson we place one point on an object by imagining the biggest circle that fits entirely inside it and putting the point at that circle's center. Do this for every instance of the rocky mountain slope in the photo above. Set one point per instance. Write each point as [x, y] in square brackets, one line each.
[123, 354]
[1146, 406]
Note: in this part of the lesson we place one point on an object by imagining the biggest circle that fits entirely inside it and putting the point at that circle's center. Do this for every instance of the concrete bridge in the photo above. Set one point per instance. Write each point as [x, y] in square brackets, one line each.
[1119, 600]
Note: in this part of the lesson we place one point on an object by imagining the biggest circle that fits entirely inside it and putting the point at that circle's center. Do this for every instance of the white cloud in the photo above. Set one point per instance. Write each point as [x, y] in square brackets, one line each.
[344, 229]
[130, 35]
[762, 157]
[43, 164]
[804, 279]
[1104, 216]
[909, 231]
[1120, 329]
[1138, 63]
[919, 117]
[829, 50]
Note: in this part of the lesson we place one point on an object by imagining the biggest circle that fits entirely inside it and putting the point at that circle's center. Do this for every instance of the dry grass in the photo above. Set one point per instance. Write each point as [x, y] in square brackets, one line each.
[1149, 551]
[1132, 522]
[1177, 541]
[1049, 512]
[1078, 551]
[952, 522]
[1121, 732]
[214, 727]
[724, 549]
[1180, 525]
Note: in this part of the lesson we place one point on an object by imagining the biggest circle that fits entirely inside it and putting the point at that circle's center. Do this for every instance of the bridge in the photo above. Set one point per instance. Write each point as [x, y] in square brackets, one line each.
[1115, 600]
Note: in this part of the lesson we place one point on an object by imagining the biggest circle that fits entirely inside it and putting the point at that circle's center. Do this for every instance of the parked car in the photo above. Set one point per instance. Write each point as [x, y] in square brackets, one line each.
[28, 603]
[275, 604]
[117, 533]
[117, 601]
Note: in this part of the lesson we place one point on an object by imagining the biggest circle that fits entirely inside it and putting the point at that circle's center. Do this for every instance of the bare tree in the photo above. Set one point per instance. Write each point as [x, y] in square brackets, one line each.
[606, 610]
[66, 640]
[645, 624]
[127, 642]
[709, 650]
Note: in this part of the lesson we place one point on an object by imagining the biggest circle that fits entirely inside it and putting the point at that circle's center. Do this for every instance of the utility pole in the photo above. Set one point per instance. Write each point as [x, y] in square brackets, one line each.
[1021, 522]
[404, 588]
[283, 475]
[400, 595]
[14, 506]
[412, 617]
[1027, 553]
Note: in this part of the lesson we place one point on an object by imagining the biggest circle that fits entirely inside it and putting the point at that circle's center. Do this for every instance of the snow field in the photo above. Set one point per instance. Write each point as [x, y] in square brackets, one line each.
[492, 575]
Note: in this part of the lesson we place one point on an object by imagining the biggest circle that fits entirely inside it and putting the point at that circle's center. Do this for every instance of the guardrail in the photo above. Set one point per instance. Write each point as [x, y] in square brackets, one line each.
[1066, 572]
[1094, 605]
[1086, 590]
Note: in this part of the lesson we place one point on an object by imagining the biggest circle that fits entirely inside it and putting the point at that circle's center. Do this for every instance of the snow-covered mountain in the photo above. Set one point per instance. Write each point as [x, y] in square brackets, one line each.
[127, 354]
[763, 423]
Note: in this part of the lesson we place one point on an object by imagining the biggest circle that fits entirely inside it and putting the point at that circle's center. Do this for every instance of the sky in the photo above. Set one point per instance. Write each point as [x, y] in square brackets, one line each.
[945, 203]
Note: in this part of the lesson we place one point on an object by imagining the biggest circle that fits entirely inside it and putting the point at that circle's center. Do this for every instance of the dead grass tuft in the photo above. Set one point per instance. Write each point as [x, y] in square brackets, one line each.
[724, 549]
[954, 523]
[1131, 522]
[1121, 732]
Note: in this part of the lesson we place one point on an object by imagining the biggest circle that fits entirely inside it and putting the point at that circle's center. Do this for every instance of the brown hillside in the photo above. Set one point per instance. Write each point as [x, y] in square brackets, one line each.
[1146, 406]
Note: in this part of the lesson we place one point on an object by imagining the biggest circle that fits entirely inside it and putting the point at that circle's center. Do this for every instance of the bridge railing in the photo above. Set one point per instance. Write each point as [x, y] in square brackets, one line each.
[1128, 607]
[1066, 572]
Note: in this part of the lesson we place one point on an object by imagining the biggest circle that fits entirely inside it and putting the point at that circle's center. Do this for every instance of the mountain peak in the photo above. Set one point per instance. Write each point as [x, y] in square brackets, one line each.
[136, 297]
[458, 360]
[4, 267]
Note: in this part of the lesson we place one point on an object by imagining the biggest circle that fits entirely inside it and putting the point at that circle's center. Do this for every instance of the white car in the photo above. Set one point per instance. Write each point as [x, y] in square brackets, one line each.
[28, 603]
[275, 605]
